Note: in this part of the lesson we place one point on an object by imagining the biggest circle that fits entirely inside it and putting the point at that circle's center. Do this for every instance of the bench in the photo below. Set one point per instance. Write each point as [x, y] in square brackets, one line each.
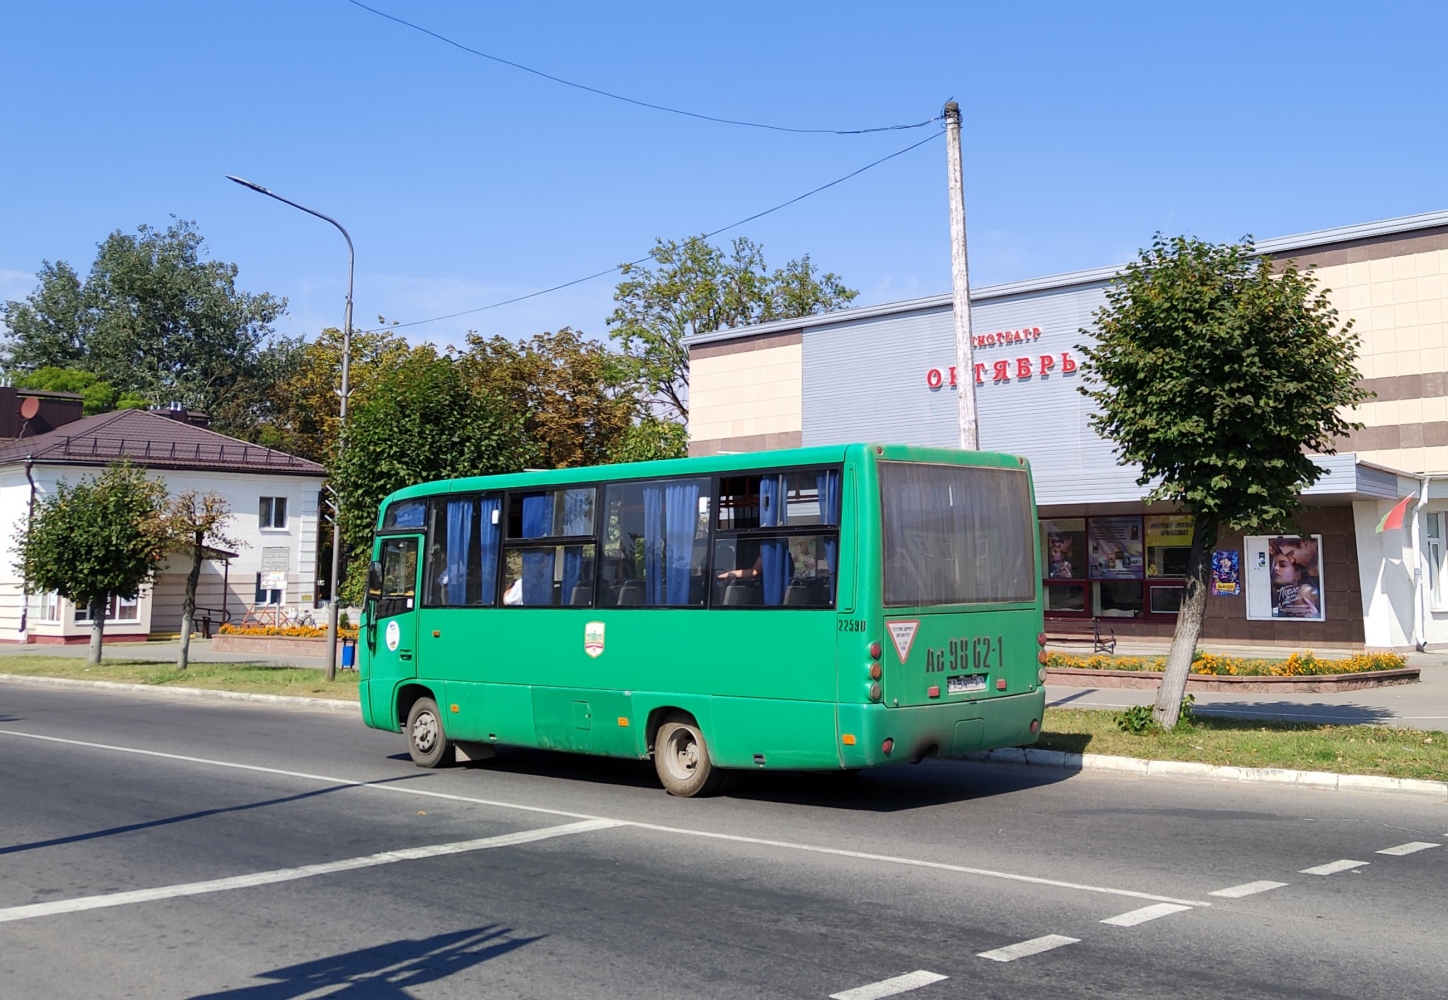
[1064, 631]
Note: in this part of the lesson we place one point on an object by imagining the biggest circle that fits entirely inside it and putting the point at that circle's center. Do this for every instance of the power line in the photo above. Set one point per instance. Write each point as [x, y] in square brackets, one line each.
[617, 267]
[630, 100]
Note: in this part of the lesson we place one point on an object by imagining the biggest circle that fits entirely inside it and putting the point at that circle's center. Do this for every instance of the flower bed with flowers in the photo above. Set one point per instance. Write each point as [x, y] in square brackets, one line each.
[286, 631]
[1295, 665]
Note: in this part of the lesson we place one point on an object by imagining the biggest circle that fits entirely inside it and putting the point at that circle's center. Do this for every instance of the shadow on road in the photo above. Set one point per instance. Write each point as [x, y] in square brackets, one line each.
[386, 970]
[1316, 713]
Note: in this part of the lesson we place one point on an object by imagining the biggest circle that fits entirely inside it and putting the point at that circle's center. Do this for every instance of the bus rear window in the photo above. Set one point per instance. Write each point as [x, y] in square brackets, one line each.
[956, 535]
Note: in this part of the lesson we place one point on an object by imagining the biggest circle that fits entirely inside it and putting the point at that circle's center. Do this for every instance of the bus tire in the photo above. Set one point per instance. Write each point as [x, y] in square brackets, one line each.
[427, 743]
[681, 758]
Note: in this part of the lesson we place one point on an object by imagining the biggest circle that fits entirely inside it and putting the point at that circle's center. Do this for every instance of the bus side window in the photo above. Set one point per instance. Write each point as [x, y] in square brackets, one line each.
[462, 561]
[777, 543]
[655, 544]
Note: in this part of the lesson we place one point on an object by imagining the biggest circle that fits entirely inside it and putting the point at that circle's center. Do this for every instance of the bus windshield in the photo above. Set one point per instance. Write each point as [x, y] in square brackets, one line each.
[956, 535]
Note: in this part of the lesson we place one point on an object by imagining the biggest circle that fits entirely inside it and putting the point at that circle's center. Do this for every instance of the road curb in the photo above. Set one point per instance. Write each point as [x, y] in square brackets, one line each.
[322, 704]
[1060, 760]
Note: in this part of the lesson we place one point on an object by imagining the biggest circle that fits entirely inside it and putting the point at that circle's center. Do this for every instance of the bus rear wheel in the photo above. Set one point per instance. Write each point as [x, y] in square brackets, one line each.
[427, 744]
[681, 758]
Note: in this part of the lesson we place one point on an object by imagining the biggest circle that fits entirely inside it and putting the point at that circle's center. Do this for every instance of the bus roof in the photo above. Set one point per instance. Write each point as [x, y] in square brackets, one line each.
[704, 465]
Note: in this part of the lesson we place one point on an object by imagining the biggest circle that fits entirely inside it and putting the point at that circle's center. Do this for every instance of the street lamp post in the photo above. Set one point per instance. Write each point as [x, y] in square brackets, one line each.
[332, 609]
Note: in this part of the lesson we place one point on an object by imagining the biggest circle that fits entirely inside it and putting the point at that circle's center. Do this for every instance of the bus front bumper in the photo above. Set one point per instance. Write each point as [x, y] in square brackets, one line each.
[871, 735]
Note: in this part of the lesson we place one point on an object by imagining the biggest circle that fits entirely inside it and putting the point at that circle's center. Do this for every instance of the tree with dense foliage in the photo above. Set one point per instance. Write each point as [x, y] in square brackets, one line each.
[94, 541]
[649, 438]
[696, 288]
[155, 320]
[412, 422]
[96, 395]
[195, 521]
[1220, 375]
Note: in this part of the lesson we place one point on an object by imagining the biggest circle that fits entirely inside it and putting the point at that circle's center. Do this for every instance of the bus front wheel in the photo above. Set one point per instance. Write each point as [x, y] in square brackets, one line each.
[426, 742]
[681, 758]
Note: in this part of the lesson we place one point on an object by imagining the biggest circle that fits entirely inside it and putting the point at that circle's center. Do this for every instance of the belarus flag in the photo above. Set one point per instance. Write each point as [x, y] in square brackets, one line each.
[1393, 519]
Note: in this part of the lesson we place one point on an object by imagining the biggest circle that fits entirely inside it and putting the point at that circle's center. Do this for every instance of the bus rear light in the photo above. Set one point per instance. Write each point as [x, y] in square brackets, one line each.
[876, 692]
[875, 650]
[1041, 675]
[887, 746]
[1040, 638]
[1035, 725]
[875, 671]
[1042, 657]
[933, 691]
[1000, 684]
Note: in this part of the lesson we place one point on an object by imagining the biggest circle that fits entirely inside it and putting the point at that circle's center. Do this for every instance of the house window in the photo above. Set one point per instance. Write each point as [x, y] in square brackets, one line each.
[1435, 561]
[119, 609]
[47, 607]
[273, 512]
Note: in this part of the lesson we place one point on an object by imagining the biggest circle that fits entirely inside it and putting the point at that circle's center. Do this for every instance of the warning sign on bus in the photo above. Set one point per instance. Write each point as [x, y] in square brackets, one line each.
[903, 635]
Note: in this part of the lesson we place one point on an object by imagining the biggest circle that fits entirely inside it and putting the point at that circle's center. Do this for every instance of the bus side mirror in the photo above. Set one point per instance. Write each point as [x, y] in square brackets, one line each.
[374, 580]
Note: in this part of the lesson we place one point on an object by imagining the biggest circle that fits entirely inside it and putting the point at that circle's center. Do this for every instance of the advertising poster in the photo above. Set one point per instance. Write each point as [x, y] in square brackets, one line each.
[1284, 577]
[1063, 542]
[1116, 548]
[1226, 573]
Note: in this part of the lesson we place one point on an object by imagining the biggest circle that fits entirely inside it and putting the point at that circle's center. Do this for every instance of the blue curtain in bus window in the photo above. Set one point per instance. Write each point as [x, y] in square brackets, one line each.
[773, 553]
[828, 484]
[459, 540]
[575, 522]
[489, 532]
[653, 546]
[681, 509]
[537, 566]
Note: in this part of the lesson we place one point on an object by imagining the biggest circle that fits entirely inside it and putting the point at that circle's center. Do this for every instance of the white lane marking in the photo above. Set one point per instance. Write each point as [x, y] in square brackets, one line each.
[1141, 916]
[1410, 848]
[1333, 867]
[1034, 946]
[79, 903]
[680, 831]
[890, 987]
[1247, 889]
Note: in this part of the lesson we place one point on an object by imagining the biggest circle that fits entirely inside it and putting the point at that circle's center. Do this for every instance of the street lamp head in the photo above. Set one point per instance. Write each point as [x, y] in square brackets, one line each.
[246, 183]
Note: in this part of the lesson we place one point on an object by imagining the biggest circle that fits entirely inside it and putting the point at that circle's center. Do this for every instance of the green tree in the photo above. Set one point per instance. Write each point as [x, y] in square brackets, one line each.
[193, 522]
[96, 396]
[95, 540]
[696, 288]
[413, 422]
[651, 438]
[1219, 375]
[155, 320]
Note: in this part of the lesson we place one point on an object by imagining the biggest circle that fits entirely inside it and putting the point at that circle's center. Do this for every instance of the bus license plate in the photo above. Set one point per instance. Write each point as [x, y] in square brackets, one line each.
[964, 683]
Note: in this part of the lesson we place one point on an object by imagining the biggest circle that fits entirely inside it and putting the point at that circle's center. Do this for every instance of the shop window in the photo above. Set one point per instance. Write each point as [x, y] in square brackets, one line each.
[1166, 599]
[273, 512]
[1065, 597]
[655, 544]
[1168, 544]
[1063, 548]
[1116, 599]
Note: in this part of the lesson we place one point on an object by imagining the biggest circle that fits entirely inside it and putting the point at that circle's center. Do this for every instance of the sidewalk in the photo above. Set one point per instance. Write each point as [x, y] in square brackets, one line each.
[1410, 706]
[164, 651]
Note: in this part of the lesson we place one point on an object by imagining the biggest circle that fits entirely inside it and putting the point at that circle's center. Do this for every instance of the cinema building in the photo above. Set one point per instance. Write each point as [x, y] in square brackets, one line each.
[885, 373]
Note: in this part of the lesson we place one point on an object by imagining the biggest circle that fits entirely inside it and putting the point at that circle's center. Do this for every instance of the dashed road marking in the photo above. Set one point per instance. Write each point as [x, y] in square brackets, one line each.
[1247, 889]
[1333, 867]
[1141, 916]
[126, 898]
[890, 987]
[1023, 949]
[1411, 848]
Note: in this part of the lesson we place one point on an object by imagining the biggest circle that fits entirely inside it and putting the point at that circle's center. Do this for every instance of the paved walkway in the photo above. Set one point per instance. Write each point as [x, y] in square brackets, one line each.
[1414, 706]
[162, 651]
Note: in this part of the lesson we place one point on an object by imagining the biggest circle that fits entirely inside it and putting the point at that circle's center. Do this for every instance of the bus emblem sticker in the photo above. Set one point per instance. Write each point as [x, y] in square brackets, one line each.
[394, 635]
[903, 635]
[593, 639]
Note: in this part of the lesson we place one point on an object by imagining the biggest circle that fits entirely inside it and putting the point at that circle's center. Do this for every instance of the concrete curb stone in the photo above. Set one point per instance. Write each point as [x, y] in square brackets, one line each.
[323, 704]
[1032, 757]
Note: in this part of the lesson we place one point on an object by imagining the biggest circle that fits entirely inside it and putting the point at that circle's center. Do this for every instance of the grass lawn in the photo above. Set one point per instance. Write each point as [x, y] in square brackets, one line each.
[257, 678]
[1396, 753]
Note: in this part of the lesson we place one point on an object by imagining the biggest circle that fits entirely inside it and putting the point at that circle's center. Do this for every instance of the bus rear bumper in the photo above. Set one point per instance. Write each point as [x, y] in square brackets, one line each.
[946, 730]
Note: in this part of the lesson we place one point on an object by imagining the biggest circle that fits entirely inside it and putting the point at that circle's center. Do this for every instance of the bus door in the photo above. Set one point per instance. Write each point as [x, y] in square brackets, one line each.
[391, 631]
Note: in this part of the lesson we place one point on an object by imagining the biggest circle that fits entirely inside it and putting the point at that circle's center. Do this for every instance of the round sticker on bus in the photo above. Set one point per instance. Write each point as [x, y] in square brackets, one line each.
[394, 635]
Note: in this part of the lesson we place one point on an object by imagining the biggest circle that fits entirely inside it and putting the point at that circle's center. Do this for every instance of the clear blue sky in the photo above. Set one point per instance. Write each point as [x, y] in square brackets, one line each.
[1088, 127]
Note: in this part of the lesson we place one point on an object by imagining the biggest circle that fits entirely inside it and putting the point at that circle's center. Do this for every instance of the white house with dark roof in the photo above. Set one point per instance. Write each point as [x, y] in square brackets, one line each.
[273, 496]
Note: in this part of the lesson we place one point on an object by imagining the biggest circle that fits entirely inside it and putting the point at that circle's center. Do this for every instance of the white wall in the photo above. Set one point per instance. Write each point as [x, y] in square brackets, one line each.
[1385, 572]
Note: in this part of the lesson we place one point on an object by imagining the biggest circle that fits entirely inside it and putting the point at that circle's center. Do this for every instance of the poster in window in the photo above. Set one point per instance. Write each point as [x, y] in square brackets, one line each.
[1284, 577]
[1226, 573]
[1063, 545]
[1115, 548]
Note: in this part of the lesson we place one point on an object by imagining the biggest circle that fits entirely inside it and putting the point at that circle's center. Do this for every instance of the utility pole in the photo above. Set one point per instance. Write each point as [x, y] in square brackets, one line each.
[964, 379]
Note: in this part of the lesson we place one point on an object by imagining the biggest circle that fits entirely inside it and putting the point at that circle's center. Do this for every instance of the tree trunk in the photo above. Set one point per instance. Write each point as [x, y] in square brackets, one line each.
[98, 629]
[188, 604]
[1189, 625]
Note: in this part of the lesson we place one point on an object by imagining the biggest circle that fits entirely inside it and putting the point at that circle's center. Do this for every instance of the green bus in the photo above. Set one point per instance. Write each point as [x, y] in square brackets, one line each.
[830, 607]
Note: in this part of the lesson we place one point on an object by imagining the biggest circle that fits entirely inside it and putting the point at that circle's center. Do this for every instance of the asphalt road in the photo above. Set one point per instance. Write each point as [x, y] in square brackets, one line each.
[157, 848]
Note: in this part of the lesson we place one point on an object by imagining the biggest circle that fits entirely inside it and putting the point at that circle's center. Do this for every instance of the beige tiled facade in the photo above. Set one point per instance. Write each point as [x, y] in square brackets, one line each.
[746, 395]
